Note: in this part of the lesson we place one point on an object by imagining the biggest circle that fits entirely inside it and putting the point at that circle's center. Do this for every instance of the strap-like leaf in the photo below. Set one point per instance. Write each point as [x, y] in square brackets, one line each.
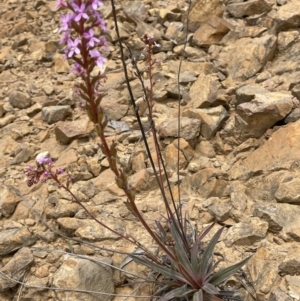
[176, 293]
[208, 253]
[224, 274]
[180, 251]
[198, 296]
[210, 289]
[160, 269]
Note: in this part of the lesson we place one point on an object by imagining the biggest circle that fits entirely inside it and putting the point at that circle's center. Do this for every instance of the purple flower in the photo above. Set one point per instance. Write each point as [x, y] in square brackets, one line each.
[79, 12]
[65, 22]
[65, 37]
[73, 47]
[99, 21]
[90, 37]
[60, 3]
[78, 70]
[96, 3]
[103, 43]
[98, 58]
[59, 171]
[44, 160]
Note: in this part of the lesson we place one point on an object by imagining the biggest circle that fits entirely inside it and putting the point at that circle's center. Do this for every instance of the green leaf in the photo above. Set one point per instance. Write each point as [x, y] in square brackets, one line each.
[160, 269]
[180, 251]
[175, 293]
[198, 296]
[224, 274]
[208, 253]
[210, 289]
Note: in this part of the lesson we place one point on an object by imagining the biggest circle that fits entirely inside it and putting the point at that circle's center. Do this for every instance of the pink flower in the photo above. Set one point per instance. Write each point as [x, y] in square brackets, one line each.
[65, 22]
[98, 58]
[60, 3]
[72, 47]
[79, 12]
[90, 37]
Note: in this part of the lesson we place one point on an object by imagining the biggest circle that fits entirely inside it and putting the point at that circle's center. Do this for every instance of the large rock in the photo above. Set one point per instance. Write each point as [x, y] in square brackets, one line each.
[203, 92]
[255, 117]
[247, 93]
[14, 239]
[16, 268]
[212, 119]
[291, 263]
[8, 201]
[54, 114]
[189, 128]
[208, 182]
[281, 151]
[66, 132]
[84, 274]
[247, 56]
[248, 8]
[287, 61]
[19, 100]
[288, 15]
[211, 32]
[202, 10]
[289, 191]
[247, 233]
[278, 216]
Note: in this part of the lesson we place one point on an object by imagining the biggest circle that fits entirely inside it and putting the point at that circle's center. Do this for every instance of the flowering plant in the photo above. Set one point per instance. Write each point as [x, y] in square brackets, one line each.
[186, 267]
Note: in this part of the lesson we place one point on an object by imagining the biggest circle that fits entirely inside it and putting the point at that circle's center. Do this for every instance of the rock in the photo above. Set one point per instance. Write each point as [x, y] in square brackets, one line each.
[207, 182]
[251, 7]
[203, 92]
[14, 239]
[8, 201]
[189, 128]
[255, 117]
[288, 16]
[293, 116]
[66, 132]
[19, 100]
[281, 151]
[211, 32]
[286, 39]
[245, 57]
[103, 197]
[293, 286]
[247, 233]
[137, 9]
[212, 119]
[61, 65]
[291, 263]
[16, 268]
[278, 295]
[83, 274]
[247, 93]
[140, 180]
[287, 61]
[93, 231]
[201, 11]
[220, 209]
[7, 119]
[25, 153]
[278, 216]
[238, 197]
[171, 157]
[54, 114]
[288, 191]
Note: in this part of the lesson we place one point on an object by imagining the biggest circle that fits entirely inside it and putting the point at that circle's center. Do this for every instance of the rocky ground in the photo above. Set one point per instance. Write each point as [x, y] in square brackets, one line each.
[239, 150]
